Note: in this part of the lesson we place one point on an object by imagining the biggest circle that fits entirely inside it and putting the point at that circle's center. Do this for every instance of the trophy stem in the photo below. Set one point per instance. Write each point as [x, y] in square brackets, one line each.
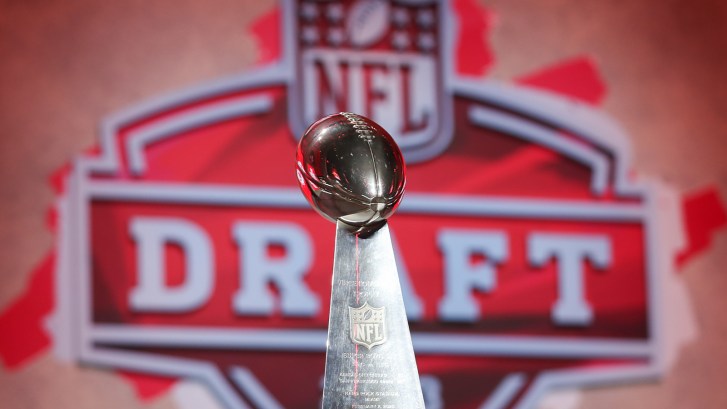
[369, 356]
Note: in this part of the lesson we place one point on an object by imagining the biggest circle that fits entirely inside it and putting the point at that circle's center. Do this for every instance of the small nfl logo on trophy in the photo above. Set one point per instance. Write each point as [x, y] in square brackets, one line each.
[368, 325]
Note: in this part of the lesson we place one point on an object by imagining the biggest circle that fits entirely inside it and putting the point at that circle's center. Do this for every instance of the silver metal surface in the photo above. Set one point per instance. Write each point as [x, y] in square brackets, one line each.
[369, 356]
[350, 169]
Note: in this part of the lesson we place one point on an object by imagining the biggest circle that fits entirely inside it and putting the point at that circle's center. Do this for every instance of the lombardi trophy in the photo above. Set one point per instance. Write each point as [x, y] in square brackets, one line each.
[352, 172]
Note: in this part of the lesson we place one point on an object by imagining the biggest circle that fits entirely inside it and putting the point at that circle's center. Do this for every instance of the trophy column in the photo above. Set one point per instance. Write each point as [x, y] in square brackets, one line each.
[369, 357]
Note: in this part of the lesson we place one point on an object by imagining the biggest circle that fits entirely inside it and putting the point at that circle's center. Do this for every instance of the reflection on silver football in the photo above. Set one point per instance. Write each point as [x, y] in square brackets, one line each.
[350, 169]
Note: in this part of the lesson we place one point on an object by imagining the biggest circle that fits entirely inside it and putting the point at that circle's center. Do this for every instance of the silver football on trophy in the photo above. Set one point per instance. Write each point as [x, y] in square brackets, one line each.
[350, 169]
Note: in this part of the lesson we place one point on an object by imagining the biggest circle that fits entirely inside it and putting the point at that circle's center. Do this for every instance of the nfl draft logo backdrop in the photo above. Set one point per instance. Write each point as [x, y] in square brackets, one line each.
[529, 258]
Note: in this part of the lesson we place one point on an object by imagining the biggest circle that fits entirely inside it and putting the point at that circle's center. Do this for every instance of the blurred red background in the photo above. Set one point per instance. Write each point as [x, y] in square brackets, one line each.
[65, 65]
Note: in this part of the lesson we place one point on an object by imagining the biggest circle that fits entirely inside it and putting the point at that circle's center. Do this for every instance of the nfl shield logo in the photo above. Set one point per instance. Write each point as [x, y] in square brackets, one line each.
[372, 57]
[368, 325]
